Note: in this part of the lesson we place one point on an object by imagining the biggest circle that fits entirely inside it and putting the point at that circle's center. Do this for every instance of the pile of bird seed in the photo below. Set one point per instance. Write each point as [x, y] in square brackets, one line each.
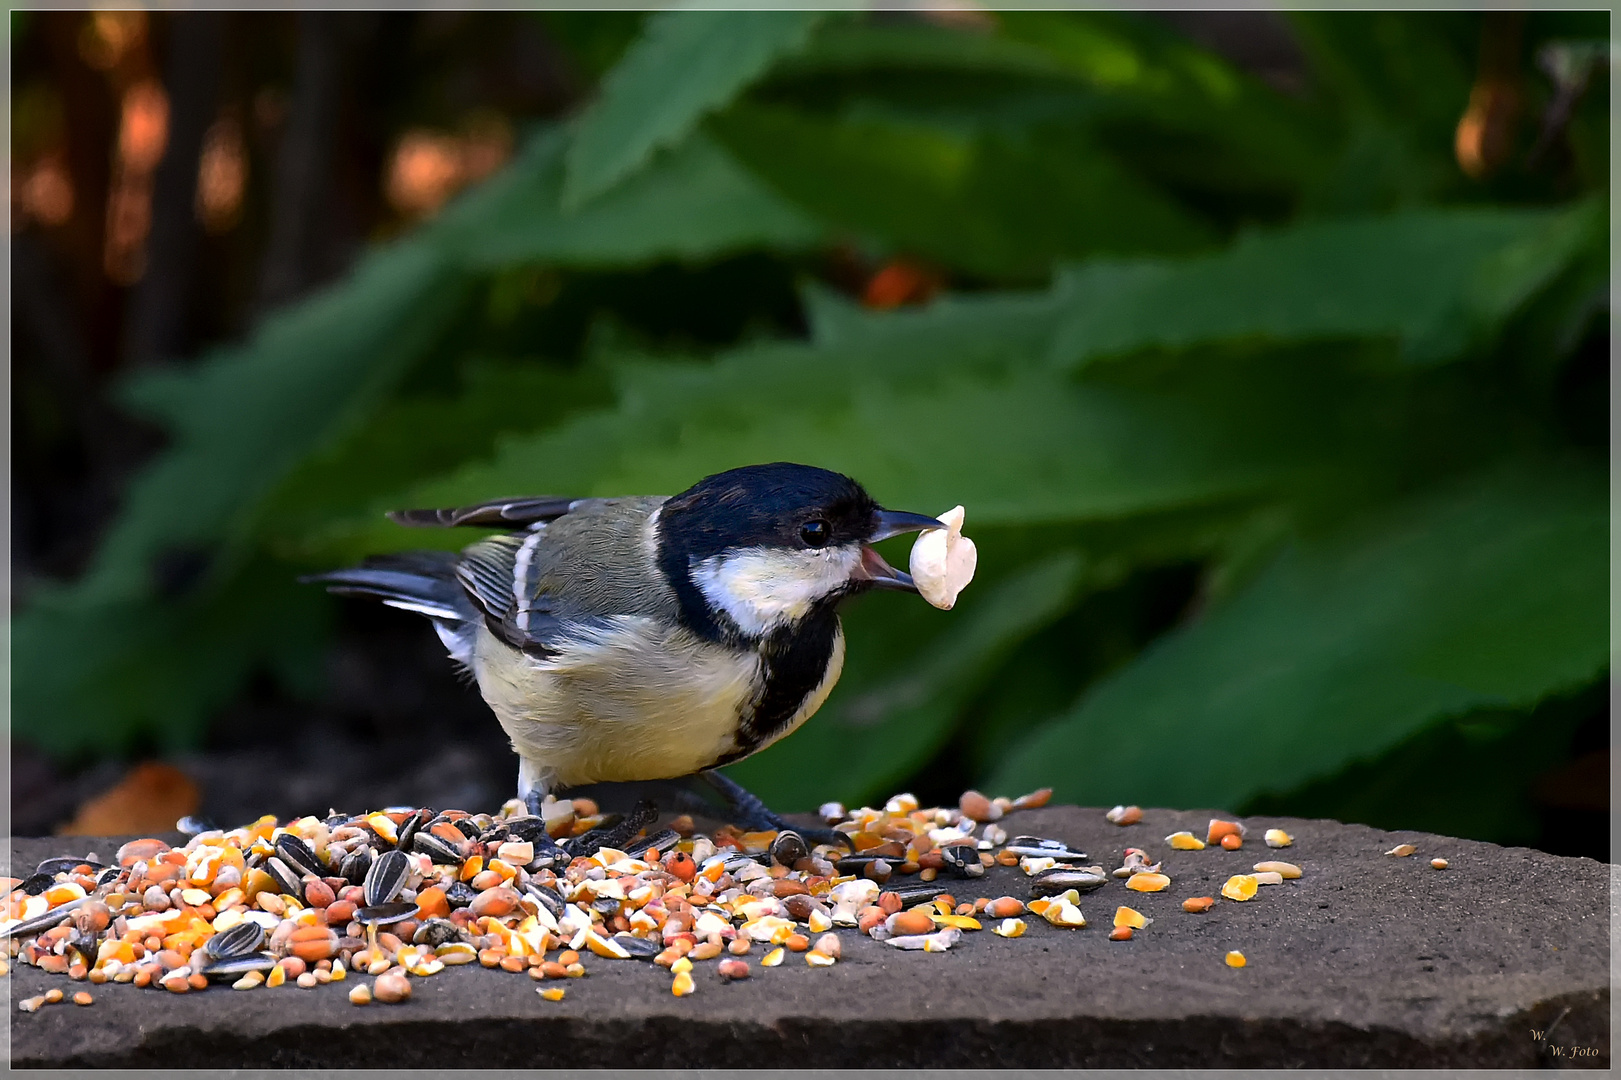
[405, 893]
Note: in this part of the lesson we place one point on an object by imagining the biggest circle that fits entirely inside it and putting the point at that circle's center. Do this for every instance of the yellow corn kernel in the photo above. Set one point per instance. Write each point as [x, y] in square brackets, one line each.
[1240, 887]
[1235, 959]
[1278, 838]
[683, 984]
[1010, 928]
[1185, 841]
[772, 958]
[551, 993]
[1147, 882]
[1125, 916]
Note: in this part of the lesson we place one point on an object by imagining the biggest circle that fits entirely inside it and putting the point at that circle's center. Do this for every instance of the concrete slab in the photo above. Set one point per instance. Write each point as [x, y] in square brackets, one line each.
[1365, 961]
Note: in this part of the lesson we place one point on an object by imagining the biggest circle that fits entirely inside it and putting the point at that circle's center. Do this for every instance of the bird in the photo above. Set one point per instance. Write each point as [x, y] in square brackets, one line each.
[649, 637]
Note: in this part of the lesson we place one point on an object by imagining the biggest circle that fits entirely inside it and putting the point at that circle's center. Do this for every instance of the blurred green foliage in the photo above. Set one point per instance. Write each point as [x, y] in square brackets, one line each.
[1273, 349]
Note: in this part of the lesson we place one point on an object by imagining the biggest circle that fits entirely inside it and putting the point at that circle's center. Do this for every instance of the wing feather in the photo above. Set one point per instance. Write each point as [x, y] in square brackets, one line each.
[497, 513]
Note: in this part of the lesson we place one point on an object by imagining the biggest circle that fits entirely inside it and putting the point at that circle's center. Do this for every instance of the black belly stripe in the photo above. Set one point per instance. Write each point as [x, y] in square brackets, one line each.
[795, 662]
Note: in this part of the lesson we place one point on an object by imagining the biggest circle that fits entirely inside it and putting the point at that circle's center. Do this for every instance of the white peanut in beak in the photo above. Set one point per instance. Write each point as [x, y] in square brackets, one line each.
[943, 561]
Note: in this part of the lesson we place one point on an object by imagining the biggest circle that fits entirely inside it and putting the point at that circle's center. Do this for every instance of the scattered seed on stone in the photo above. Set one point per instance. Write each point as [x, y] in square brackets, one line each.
[1284, 869]
[82, 998]
[1147, 882]
[1197, 904]
[1120, 933]
[1276, 838]
[1240, 887]
[1185, 841]
[1401, 851]
[1235, 959]
[1125, 815]
[1439, 864]
[1125, 916]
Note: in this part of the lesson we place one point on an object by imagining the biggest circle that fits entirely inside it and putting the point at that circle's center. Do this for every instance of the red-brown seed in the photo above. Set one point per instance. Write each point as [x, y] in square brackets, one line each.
[1232, 841]
[889, 902]
[339, 912]
[1120, 933]
[732, 969]
[318, 893]
[312, 943]
[910, 922]
[391, 988]
[495, 902]
[1197, 904]
[1005, 907]
[976, 806]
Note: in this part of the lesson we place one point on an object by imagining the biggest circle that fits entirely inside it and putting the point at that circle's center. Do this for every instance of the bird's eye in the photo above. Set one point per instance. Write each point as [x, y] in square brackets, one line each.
[814, 533]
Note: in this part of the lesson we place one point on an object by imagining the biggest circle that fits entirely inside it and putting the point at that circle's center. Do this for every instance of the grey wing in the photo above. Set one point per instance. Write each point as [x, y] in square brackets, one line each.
[497, 513]
[498, 575]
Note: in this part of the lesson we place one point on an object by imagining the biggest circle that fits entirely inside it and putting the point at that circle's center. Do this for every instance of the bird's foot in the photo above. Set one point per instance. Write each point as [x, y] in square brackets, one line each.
[748, 812]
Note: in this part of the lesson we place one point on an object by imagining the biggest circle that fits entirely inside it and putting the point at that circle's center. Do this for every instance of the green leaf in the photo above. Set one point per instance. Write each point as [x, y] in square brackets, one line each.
[892, 713]
[1489, 594]
[1436, 280]
[692, 202]
[686, 64]
[1467, 777]
[103, 677]
[1000, 203]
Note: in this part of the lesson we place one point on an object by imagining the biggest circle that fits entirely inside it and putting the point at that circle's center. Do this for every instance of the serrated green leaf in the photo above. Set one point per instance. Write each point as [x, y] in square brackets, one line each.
[685, 64]
[893, 712]
[1488, 594]
[1435, 280]
[692, 202]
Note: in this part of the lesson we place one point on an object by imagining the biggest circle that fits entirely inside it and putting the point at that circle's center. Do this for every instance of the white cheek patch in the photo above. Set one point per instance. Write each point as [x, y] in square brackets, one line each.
[764, 588]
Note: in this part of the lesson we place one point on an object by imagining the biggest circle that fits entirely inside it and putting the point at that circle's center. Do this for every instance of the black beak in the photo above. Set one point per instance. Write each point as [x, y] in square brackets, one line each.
[873, 568]
[896, 522]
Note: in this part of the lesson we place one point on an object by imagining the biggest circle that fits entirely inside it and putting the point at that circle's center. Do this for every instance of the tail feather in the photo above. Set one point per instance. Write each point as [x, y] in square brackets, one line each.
[420, 581]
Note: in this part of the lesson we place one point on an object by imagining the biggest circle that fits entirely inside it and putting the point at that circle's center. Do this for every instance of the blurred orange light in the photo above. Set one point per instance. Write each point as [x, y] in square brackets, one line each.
[426, 170]
[107, 37]
[222, 175]
[142, 134]
[899, 282]
[144, 130]
[428, 167]
[46, 192]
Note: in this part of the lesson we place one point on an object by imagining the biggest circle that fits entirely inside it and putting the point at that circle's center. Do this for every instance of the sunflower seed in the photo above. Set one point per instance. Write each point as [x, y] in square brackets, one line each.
[63, 864]
[300, 856]
[1054, 882]
[240, 940]
[285, 879]
[386, 914]
[354, 866]
[788, 848]
[386, 877]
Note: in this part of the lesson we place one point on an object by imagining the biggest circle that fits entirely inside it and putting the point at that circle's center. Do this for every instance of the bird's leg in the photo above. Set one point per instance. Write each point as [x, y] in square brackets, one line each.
[531, 786]
[532, 792]
[752, 814]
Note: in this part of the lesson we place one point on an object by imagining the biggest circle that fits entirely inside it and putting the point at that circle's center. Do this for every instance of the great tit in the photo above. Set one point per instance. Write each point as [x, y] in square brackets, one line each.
[650, 638]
